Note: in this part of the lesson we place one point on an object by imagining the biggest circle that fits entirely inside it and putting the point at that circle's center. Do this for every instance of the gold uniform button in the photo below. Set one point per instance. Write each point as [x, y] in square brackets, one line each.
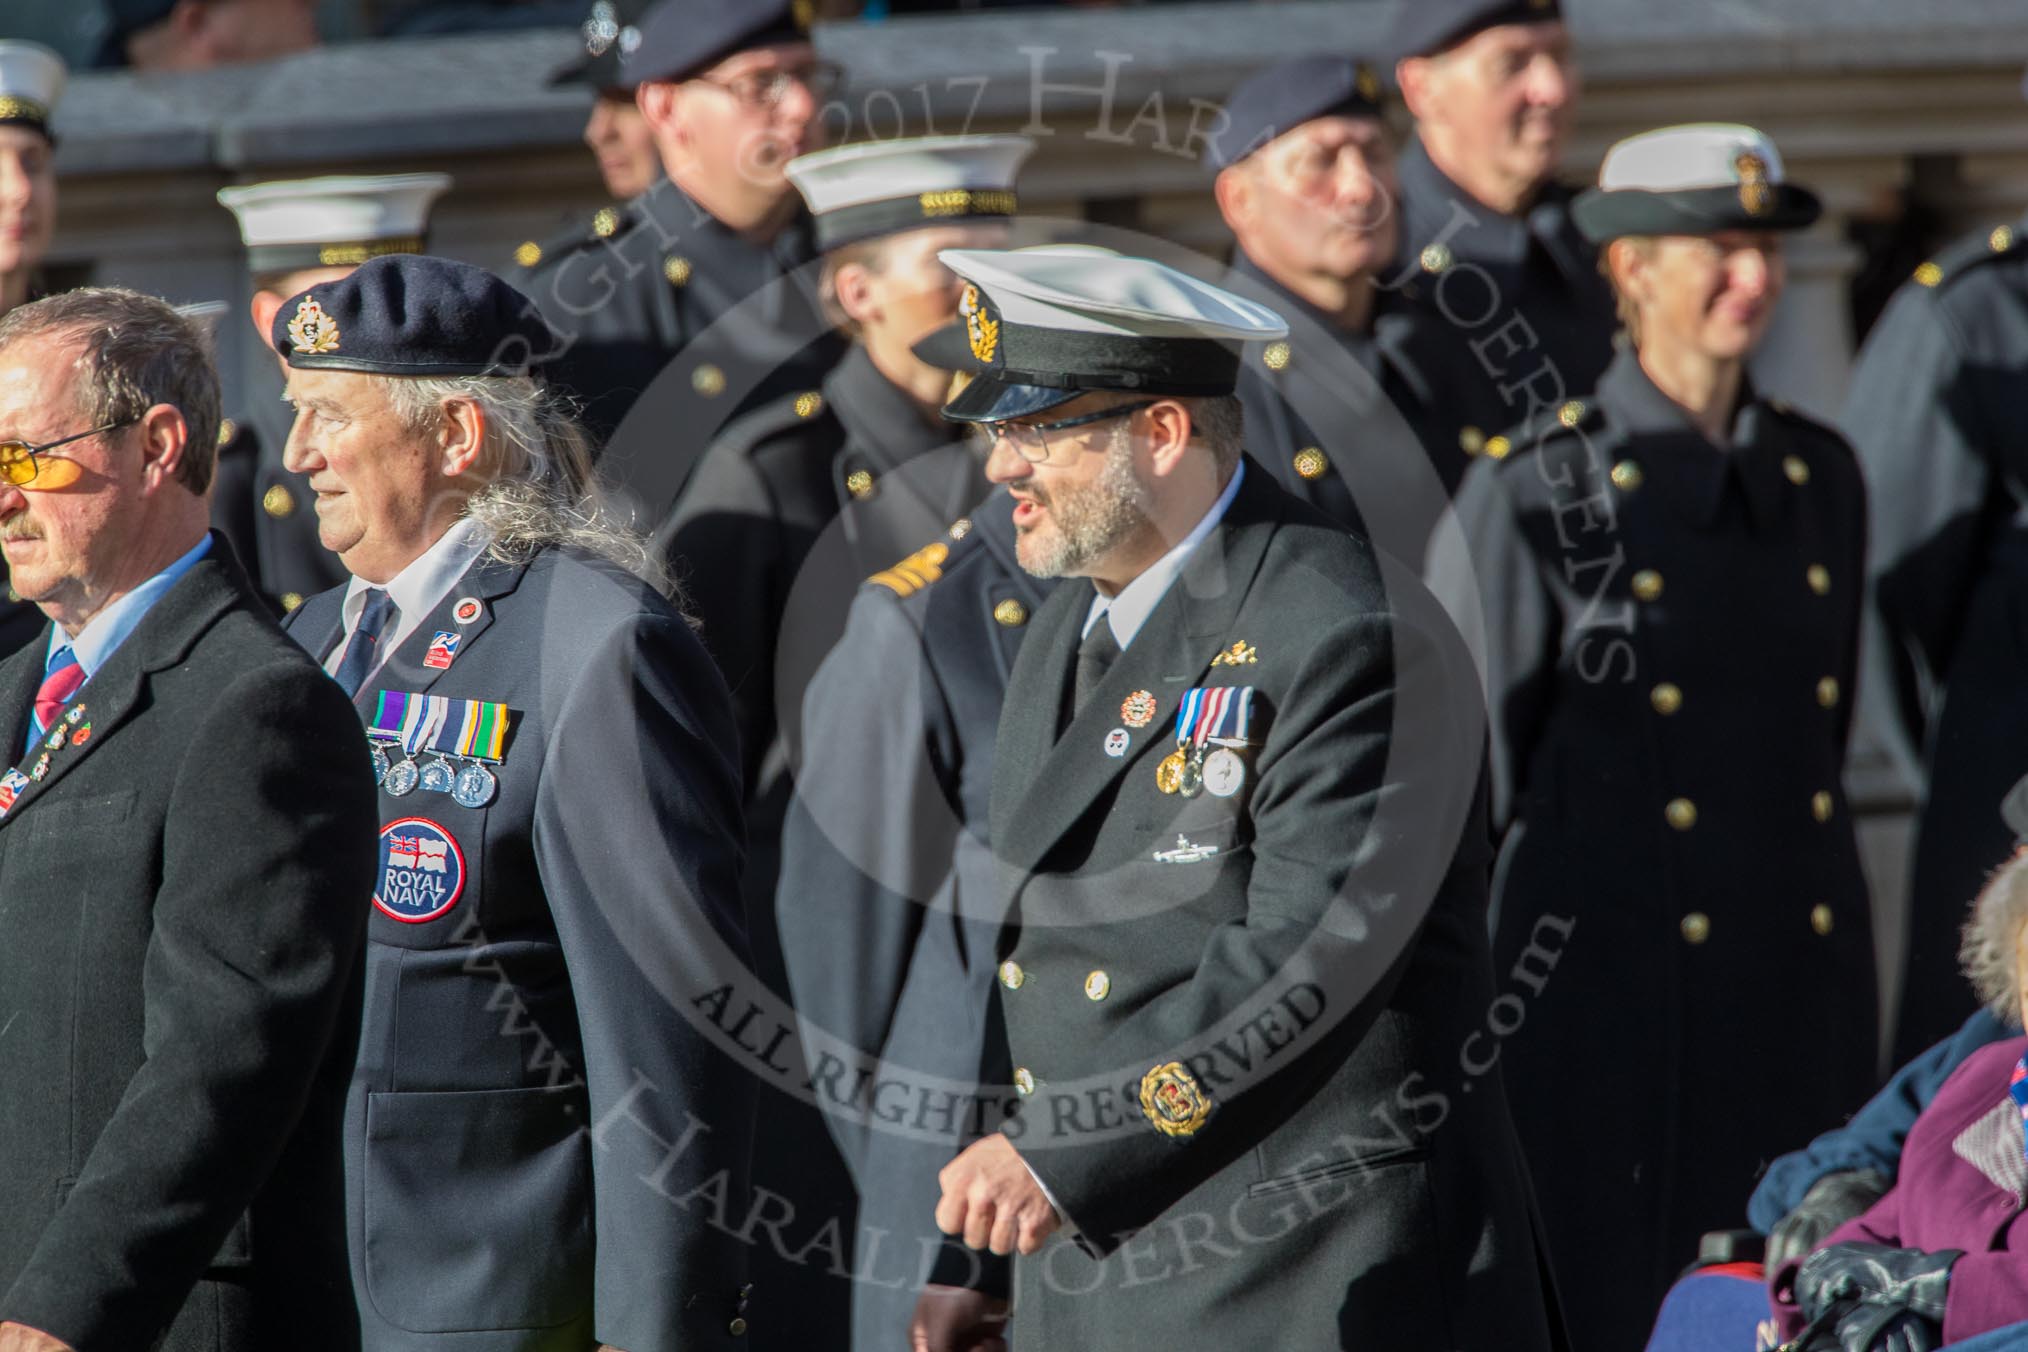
[1310, 463]
[676, 270]
[528, 253]
[1275, 356]
[1627, 476]
[1821, 804]
[1024, 1083]
[1436, 258]
[1497, 447]
[1928, 274]
[809, 405]
[1682, 813]
[227, 430]
[708, 381]
[1827, 692]
[1471, 440]
[961, 528]
[1819, 578]
[859, 483]
[13, 596]
[1011, 613]
[1097, 986]
[737, 1328]
[290, 601]
[278, 501]
[1666, 697]
[1648, 585]
[2002, 239]
[1571, 414]
[604, 222]
[1696, 927]
[1797, 468]
[1821, 918]
[1011, 975]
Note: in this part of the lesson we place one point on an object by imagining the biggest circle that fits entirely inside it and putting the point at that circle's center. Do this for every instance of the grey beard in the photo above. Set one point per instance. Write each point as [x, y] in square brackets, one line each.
[1092, 520]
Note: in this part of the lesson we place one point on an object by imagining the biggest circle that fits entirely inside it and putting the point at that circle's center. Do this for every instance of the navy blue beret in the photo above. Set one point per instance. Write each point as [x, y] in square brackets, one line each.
[681, 37]
[1425, 27]
[412, 315]
[1288, 94]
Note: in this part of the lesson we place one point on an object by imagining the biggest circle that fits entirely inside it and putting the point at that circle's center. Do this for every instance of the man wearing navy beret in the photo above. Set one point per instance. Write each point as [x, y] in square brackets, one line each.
[537, 1137]
[1488, 246]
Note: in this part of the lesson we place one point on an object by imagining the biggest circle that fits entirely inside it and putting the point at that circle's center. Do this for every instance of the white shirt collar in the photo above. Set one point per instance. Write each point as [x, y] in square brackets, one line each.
[417, 589]
[1129, 610]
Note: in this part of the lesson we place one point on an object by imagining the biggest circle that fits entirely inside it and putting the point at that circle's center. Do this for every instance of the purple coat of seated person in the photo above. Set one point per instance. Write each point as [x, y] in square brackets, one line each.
[1963, 1185]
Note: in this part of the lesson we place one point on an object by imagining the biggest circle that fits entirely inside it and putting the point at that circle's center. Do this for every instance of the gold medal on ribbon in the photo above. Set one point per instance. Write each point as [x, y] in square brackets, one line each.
[1169, 774]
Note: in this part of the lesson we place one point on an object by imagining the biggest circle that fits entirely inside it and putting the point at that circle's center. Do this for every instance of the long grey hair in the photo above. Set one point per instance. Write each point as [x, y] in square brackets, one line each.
[537, 462]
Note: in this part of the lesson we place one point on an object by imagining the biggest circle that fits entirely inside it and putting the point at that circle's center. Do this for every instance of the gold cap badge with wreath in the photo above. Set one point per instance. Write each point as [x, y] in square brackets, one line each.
[983, 331]
[1755, 193]
[312, 330]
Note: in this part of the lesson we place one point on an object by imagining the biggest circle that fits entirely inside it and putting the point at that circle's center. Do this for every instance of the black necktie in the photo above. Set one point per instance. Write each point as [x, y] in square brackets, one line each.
[1095, 657]
[363, 652]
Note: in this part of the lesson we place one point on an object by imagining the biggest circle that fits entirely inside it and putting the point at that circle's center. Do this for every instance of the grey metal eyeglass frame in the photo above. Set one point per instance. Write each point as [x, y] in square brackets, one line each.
[766, 89]
[13, 453]
[1029, 441]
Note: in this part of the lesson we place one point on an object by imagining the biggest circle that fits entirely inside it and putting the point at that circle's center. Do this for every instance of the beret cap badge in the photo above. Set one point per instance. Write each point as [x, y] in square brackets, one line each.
[1754, 192]
[980, 328]
[312, 330]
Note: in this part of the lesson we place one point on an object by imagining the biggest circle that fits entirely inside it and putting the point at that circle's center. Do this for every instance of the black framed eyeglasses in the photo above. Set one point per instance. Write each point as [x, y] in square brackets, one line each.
[1031, 442]
[19, 463]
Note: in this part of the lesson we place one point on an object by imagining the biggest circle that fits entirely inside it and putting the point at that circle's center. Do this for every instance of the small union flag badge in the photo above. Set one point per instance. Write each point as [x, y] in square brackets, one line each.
[442, 649]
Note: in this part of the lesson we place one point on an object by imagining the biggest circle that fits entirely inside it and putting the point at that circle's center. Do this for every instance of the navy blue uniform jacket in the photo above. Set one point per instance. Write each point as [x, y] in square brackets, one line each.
[536, 1086]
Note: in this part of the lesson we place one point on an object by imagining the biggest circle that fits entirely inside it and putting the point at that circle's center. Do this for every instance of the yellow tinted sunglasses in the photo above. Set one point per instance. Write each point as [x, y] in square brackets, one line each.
[18, 460]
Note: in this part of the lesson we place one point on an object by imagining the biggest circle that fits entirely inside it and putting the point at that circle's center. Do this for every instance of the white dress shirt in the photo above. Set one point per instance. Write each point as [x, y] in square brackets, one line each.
[415, 591]
[1129, 610]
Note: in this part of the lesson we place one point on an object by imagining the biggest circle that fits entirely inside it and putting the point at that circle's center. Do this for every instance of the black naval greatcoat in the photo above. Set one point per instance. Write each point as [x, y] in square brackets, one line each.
[269, 515]
[1668, 635]
[886, 896]
[1525, 315]
[770, 564]
[1236, 1019]
[1343, 417]
[788, 513]
[547, 1134]
[663, 313]
[1933, 410]
[183, 895]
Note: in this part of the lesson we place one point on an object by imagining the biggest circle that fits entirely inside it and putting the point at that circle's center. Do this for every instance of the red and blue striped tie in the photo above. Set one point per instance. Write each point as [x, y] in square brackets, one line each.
[60, 683]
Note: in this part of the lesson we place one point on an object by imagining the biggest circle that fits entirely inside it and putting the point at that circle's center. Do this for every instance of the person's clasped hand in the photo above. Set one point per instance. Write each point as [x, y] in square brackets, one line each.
[1883, 1300]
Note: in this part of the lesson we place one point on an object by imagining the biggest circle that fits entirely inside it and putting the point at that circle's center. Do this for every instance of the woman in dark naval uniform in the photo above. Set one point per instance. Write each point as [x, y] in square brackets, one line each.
[1666, 580]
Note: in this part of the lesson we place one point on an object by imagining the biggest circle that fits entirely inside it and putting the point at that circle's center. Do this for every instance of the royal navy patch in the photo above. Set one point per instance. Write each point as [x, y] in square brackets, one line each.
[422, 871]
